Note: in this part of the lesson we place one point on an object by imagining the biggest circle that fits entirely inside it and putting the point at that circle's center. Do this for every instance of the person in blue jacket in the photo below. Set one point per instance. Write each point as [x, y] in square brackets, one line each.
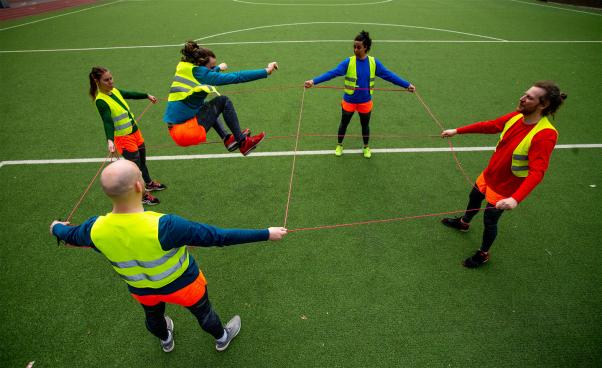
[148, 251]
[359, 71]
[189, 116]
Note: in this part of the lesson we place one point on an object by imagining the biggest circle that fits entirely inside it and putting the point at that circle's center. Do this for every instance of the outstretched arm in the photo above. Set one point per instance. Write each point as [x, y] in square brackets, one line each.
[175, 231]
[389, 76]
[483, 127]
[340, 70]
[215, 78]
[74, 235]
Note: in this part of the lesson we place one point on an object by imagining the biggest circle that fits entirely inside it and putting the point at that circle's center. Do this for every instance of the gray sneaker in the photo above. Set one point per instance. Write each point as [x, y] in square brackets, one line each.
[232, 328]
[168, 345]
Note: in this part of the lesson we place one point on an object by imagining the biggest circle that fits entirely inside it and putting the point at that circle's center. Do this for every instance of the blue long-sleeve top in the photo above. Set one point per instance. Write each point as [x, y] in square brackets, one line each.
[363, 78]
[174, 232]
[180, 111]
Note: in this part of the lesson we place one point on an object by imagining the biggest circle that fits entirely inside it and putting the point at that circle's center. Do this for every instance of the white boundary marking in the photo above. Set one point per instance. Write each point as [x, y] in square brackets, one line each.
[242, 43]
[311, 4]
[60, 15]
[556, 7]
[354, 23]
[280, 153]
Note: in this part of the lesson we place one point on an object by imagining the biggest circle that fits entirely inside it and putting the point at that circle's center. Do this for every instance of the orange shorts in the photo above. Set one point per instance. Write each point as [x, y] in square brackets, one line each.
[188, 133]
[363, 108]
[490, 195]
[129, 142]
[185, 297]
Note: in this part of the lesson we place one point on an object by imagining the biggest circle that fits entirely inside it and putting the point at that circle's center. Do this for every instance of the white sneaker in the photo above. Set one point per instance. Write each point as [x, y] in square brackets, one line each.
[232, 328]
[168, 345]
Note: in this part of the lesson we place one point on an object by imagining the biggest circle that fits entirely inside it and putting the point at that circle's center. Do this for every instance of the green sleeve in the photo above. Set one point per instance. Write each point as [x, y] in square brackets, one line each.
[133, 95]
[105, 114]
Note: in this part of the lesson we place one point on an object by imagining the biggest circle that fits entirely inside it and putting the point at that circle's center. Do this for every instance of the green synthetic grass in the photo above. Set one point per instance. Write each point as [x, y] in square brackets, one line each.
[387, 294]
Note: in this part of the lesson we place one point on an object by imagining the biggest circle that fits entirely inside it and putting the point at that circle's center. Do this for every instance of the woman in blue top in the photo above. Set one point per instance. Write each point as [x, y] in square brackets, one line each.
[189, 116]
[359, 84]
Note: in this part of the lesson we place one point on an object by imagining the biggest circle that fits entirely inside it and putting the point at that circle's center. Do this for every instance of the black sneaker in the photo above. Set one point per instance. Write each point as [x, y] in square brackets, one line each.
[476, 260]
[150, 200]
[456, 223]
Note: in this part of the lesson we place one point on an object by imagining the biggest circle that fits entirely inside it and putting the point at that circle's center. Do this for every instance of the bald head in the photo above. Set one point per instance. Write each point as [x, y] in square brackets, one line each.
[119, 178]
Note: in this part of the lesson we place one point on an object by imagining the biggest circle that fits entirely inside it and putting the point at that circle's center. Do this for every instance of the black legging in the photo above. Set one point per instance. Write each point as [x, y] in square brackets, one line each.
[490, 218]
[202, 310]
[364, 120]
[139, 158]
[208, 117]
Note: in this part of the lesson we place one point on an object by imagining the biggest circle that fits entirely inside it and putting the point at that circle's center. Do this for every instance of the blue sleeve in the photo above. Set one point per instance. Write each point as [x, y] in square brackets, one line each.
[214, 78]
[340, 70]
[389, 76]
[76, 235]
[175, 231]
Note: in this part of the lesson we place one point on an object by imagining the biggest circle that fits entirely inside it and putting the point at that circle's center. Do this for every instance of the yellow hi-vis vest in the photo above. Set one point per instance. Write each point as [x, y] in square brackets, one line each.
[131, 243]
[520, 156]
[351, 76]
[122, 124]
[185, 84]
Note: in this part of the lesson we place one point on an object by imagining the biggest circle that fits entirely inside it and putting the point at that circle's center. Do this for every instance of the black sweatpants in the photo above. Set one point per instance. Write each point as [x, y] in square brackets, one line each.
[139, 158]
[208, 117]
[202, 310]
[490, 218]
[346, 118]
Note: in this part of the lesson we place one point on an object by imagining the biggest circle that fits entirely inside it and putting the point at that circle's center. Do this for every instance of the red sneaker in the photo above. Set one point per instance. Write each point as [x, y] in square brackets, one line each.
[250, 143]
[155, 186]
[150, 200]
[231, 143]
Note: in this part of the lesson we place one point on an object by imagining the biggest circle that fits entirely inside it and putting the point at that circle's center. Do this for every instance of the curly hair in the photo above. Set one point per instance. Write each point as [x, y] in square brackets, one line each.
[195, 54]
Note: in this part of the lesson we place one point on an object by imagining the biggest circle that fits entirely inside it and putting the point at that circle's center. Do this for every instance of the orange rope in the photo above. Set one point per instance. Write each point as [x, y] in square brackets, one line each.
[290, 184]
[81, 198]
[381, 221]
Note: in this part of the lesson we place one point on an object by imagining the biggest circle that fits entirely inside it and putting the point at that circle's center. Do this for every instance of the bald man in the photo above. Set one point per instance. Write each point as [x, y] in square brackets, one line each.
[148, 251]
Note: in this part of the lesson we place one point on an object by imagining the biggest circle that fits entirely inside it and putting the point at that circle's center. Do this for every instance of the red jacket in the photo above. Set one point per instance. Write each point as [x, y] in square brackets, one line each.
[498, 174]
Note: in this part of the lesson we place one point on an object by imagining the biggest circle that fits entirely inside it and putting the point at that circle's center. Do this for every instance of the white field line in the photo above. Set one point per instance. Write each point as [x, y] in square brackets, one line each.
[60, 15]
[311, 4]
[280, 153]
[556, 7]
[353, 23]
[301, 41]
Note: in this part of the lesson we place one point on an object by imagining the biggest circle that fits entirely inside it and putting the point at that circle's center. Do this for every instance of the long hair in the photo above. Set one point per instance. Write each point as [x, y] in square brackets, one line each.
[195, 54]
[94, 76]
[364, 37]
[553, 95]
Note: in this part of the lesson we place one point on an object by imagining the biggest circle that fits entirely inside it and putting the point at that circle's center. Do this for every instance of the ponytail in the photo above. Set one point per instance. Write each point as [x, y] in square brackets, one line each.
[553, 96]
[94, 77]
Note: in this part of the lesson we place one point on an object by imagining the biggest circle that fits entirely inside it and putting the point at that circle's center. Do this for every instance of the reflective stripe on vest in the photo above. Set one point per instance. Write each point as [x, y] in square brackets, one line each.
[131, 244]
[351, 76]
[122, 124]
[520, 155]
[185, 84]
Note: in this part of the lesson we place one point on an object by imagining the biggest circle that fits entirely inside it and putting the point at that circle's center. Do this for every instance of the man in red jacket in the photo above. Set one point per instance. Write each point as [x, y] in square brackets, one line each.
[518, 164]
